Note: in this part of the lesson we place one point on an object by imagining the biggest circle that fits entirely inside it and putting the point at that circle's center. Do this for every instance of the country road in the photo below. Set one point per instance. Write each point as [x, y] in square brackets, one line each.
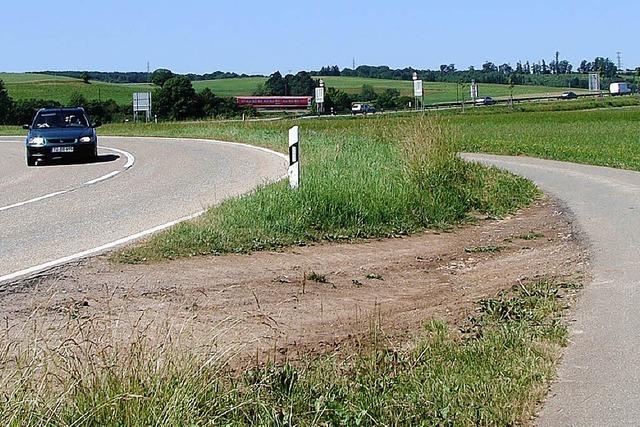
[139, 185]
[59, 211]
[599, 379]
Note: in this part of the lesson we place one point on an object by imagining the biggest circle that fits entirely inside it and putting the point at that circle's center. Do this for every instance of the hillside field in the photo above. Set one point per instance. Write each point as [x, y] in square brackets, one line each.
[56, 88]
[434, 92]
[40, 86]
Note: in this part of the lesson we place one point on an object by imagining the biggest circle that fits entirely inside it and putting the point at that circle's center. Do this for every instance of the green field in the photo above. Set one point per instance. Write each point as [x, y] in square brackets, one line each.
[41, 86]
[231, 87]
[362, 179]
[56, 88]
[435, 92]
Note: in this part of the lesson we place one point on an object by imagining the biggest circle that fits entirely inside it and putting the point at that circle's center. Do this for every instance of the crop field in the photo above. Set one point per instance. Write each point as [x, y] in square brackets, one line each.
[56, 88]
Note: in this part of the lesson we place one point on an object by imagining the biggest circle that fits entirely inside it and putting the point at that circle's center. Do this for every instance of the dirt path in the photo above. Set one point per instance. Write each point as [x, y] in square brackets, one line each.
[277, 303]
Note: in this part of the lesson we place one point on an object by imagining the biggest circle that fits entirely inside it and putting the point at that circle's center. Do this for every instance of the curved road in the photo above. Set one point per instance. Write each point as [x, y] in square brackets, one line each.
[139, 185]
[599, 379]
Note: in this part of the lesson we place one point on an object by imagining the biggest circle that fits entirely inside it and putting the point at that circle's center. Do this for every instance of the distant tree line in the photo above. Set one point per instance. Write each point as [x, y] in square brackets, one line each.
[389, 99]
[109, 77]
[557, 72]
[300, 84]
[177, 100]
[138, 77]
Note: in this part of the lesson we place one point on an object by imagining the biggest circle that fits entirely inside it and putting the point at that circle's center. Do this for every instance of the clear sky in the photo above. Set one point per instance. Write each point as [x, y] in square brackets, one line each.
[260, 37]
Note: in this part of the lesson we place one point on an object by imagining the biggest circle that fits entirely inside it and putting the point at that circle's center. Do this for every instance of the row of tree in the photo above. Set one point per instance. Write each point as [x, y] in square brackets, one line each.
[488, 73]
[178, 100]
[390, 99]
[301, 84]
[139, 77]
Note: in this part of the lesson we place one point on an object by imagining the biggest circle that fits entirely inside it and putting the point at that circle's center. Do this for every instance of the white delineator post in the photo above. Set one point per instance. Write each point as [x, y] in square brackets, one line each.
[294, 157]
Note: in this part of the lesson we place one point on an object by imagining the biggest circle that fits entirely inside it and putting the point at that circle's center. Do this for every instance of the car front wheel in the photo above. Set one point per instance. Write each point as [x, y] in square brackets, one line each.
[31, 161]
[93, 155]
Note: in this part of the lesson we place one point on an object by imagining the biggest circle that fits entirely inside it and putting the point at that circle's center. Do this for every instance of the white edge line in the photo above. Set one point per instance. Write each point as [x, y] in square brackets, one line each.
[37, 199]
[130, 161]
[174, 139]
[102, 178]
[94, 251]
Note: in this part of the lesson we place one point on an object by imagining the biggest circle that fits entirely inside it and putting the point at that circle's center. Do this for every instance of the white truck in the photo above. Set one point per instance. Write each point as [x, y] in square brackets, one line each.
[619, 88]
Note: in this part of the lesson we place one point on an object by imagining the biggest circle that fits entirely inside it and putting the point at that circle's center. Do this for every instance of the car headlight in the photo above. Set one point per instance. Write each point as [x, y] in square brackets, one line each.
[37, 141]
[86, 139]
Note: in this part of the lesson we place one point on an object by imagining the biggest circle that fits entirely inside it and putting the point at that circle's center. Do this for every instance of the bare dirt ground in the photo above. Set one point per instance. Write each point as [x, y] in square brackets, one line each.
[305, 299]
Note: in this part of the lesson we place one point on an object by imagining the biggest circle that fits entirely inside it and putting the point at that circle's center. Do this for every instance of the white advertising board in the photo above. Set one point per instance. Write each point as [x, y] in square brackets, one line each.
[417, 88]
[319, 95]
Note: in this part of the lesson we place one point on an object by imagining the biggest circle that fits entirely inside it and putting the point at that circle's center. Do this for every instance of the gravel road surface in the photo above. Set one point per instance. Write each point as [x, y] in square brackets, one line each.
[599, 379]
[57, 210]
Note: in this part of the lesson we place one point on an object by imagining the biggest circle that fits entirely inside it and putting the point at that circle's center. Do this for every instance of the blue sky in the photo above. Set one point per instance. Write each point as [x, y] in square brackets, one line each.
[263, 36]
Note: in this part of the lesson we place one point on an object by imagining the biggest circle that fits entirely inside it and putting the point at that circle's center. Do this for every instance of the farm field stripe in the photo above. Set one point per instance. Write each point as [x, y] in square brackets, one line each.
[127, 166]
[94, 251]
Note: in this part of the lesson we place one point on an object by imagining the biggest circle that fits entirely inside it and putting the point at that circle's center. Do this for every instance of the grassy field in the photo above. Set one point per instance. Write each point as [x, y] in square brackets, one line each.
[599, 137]
[362, 179]
[231, 87]
[493, 373]
[41, 86]
[56, 88]
[435, 92]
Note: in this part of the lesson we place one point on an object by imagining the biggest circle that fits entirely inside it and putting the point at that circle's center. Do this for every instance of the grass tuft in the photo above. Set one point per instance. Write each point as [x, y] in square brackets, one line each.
[360, 179]
[492, 373]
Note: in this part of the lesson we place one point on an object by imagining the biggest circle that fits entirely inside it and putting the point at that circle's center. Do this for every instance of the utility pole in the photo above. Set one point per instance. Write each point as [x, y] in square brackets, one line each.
[354, 64]
[619, 60]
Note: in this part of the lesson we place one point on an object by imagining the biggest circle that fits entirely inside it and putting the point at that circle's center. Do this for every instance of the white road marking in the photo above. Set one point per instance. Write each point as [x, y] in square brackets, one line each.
[125, 240]
[130, 162]
[37, 199]
[94, 251]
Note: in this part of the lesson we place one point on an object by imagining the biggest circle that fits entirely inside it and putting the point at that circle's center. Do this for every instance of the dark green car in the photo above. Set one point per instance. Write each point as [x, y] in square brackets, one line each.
[61, 133]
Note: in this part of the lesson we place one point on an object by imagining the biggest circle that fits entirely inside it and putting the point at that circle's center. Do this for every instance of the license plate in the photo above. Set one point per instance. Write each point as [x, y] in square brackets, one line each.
[62, 149]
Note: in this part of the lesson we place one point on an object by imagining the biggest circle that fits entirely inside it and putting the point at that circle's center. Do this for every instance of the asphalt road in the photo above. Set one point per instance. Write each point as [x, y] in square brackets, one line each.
[599, 379]
[52, 212]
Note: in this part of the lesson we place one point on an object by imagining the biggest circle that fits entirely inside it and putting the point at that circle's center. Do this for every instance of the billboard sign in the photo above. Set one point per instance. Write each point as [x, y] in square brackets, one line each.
[320, 95]
[417, 88]
[594, 82]
[141, 101]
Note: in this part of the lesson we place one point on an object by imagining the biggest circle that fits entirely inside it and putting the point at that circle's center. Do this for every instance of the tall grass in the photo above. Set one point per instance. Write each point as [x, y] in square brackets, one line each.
[491, 372]
[384, 178]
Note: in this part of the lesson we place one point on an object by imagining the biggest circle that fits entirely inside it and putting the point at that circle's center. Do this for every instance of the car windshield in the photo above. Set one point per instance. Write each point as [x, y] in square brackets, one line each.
[60, 119]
